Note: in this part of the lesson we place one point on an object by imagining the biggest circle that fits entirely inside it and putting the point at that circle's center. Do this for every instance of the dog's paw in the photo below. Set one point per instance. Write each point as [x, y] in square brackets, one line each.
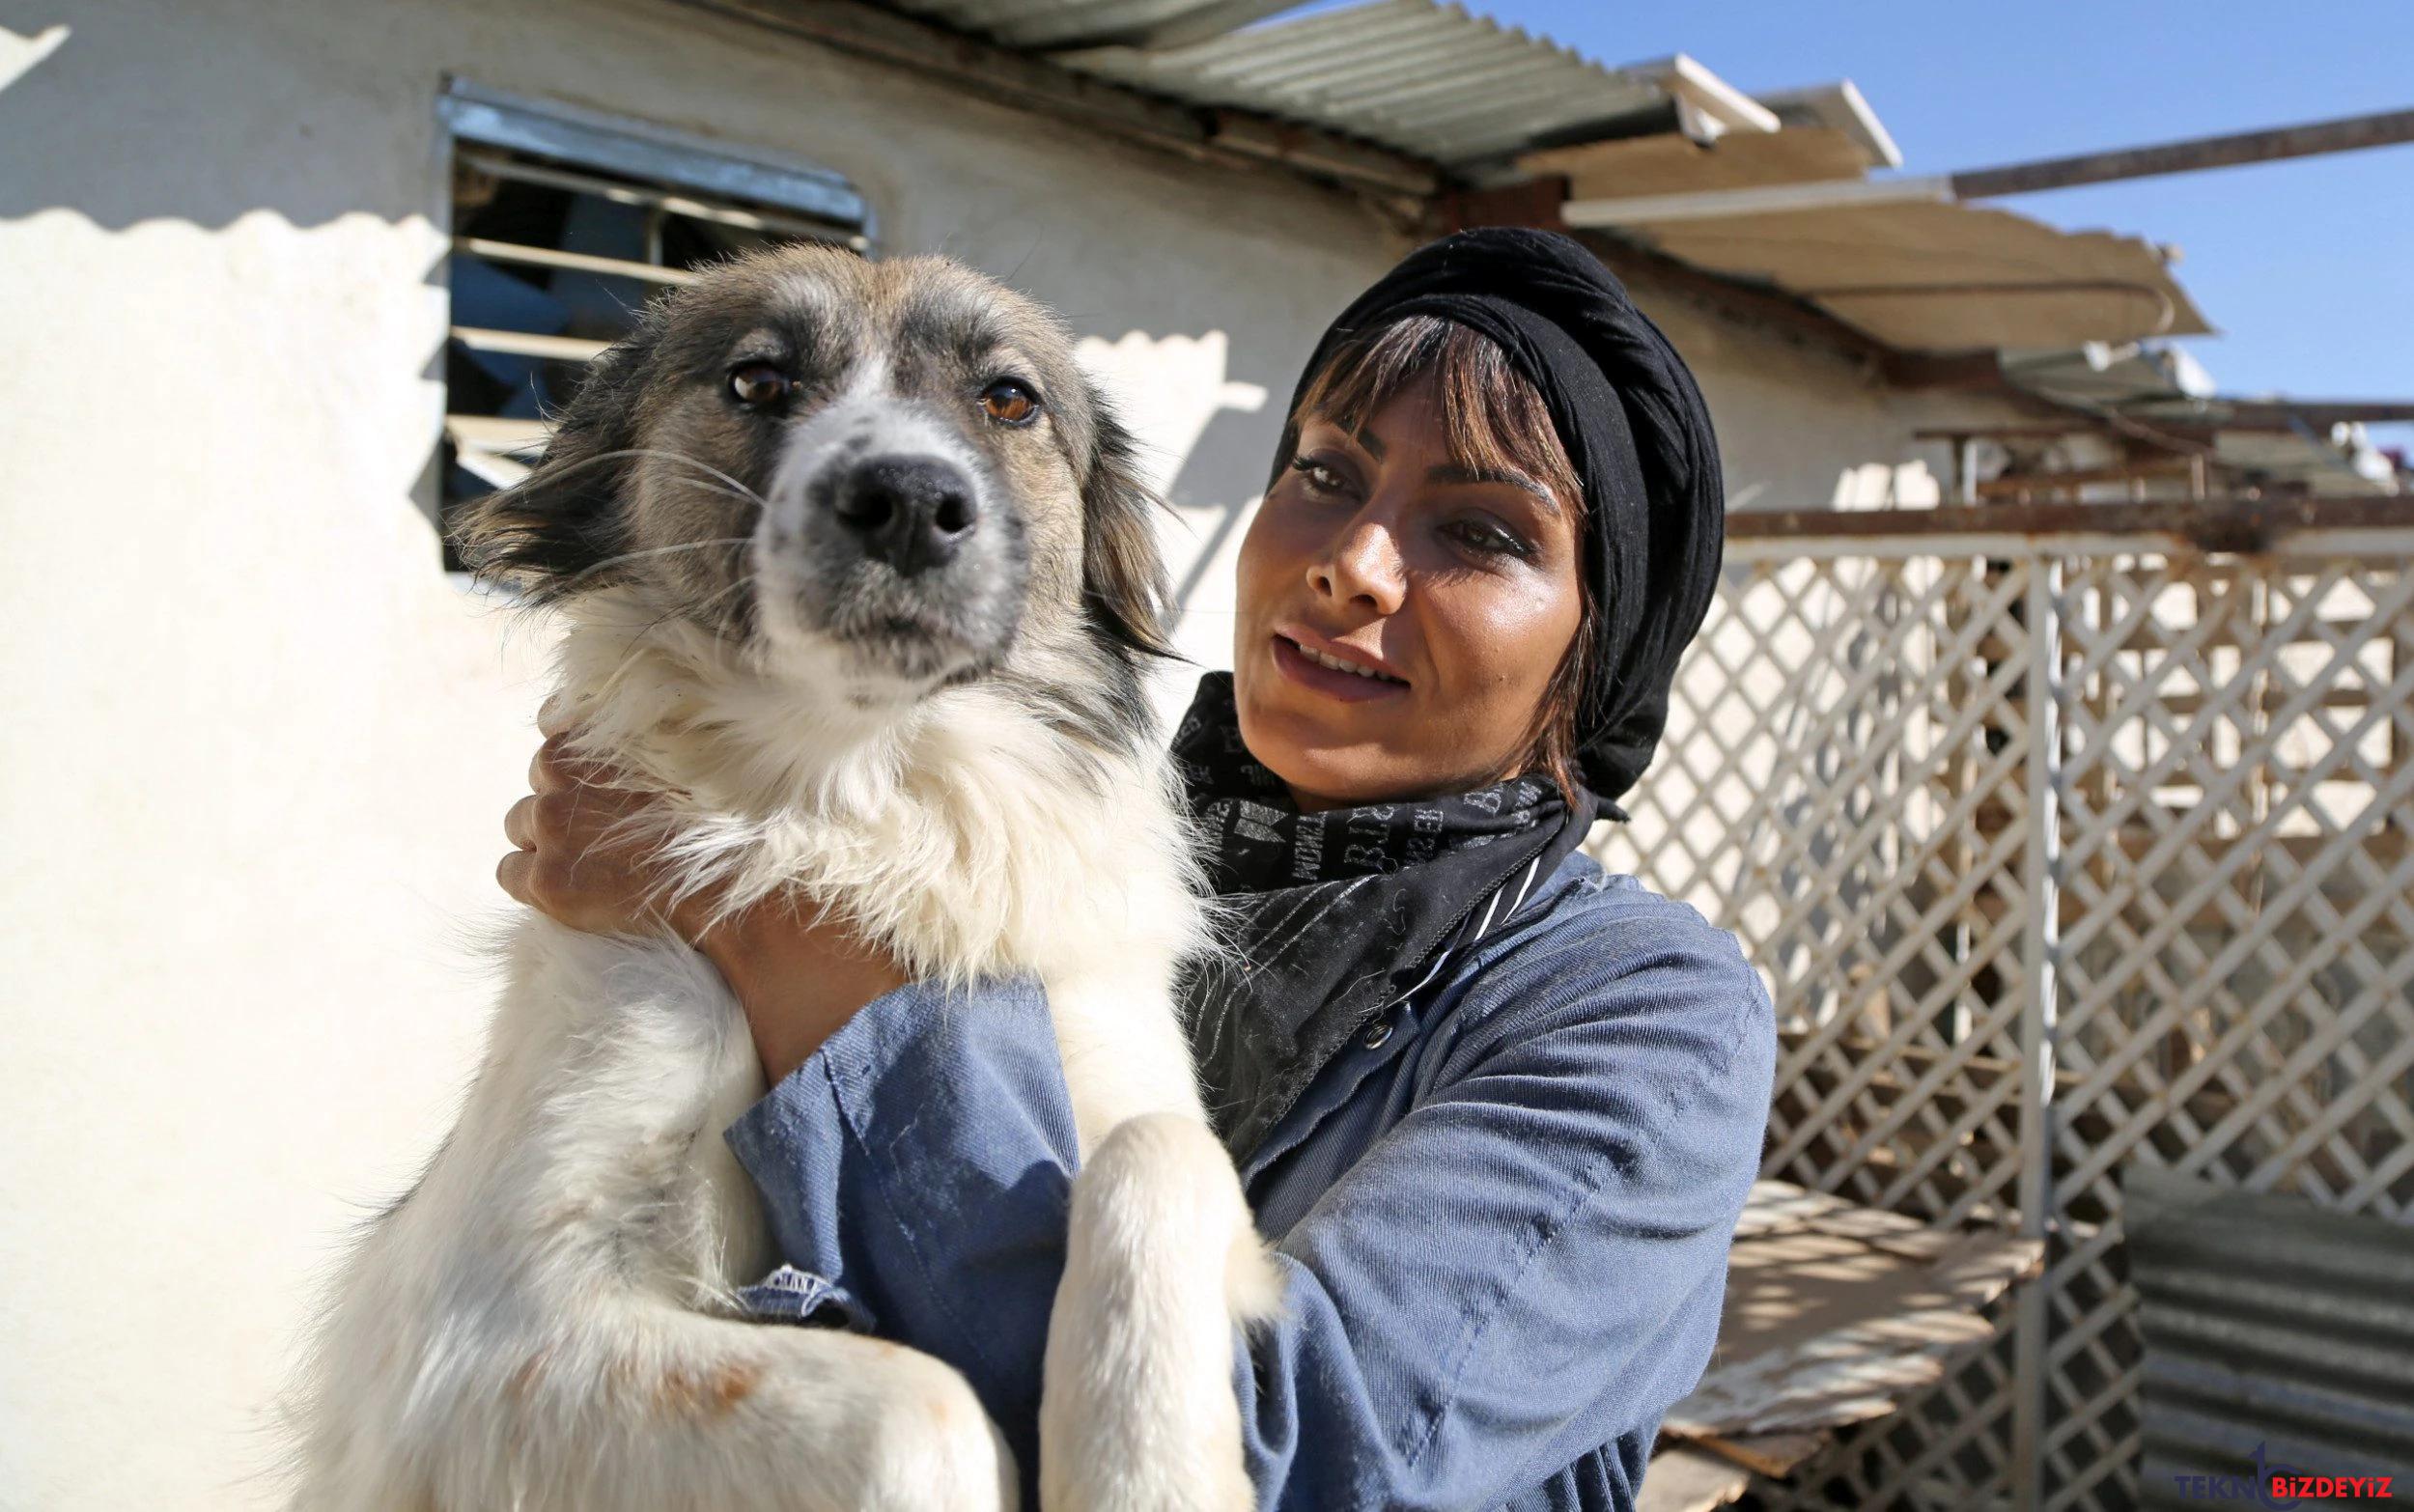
[932, 1447]
[1164, 1183]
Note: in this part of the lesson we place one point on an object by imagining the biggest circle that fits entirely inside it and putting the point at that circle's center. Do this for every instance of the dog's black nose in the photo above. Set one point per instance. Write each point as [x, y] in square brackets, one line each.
[912, 512]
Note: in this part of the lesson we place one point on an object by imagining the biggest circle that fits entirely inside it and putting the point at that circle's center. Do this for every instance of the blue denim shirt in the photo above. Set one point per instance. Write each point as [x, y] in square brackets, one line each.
[1503, 1215]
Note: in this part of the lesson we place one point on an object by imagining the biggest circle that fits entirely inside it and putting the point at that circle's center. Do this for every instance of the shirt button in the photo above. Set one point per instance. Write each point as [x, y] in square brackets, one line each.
[1376, 1033]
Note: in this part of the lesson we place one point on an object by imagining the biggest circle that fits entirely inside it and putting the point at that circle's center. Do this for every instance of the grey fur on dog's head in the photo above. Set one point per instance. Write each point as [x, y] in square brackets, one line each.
[662, 483]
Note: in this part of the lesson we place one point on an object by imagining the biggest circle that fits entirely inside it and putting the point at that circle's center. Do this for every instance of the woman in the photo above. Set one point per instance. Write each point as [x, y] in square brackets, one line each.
[1496, 1111]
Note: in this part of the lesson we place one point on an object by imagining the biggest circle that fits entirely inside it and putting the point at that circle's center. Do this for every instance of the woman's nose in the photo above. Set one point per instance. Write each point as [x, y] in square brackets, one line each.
[1362, 563]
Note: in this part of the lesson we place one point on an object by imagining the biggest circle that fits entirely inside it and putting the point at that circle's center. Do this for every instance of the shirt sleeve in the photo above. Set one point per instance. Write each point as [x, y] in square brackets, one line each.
[1527, 1266]
[916, 1172]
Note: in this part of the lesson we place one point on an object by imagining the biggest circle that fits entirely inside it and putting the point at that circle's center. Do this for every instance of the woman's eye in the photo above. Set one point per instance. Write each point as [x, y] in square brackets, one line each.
[1010, 401]
[759, 386]
[1490, 539]
[1321, 479]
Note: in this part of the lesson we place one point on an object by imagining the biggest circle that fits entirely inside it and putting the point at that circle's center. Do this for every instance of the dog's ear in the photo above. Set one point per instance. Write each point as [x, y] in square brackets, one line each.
[1125, 588]
[562, 523]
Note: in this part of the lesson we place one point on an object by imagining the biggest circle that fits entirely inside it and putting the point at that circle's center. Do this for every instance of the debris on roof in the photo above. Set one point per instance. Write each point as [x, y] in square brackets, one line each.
[1834, 1313]
[2312, 447]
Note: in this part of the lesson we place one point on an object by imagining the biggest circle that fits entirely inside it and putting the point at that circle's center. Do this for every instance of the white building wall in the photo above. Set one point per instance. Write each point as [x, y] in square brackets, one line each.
[257, 746]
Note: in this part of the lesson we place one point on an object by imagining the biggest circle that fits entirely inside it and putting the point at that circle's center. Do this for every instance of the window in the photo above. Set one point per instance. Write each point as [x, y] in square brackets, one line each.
[564, 225]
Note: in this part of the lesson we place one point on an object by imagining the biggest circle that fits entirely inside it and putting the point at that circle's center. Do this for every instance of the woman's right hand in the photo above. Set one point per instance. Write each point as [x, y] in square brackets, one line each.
[582, 847]
[583, 857]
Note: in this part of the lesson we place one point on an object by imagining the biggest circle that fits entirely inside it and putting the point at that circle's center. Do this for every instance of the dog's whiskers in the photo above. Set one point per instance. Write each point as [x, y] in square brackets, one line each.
[666, 551]
[633, 649]
[738, 489]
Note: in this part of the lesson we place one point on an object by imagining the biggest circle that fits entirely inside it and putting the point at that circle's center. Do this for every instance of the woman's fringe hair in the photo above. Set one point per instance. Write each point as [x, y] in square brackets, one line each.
[1496, 422]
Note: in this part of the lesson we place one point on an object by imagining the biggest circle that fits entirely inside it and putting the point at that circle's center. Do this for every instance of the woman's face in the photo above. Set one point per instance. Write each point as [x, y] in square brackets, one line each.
[1462, 589]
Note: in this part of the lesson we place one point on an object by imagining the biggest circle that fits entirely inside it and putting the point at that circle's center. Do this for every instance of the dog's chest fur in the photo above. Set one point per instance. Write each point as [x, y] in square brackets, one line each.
[974, 839]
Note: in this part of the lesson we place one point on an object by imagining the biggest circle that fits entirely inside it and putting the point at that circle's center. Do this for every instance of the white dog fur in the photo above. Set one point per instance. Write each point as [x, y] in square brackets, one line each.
[545, 1322]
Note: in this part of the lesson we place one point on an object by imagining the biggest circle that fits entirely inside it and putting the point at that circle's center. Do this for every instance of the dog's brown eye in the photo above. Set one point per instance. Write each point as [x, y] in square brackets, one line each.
[1009, 403]
[758, 383]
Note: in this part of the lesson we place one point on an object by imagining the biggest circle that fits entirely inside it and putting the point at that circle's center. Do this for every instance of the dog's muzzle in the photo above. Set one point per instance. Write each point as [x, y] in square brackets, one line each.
[911, 513]
[887, 539]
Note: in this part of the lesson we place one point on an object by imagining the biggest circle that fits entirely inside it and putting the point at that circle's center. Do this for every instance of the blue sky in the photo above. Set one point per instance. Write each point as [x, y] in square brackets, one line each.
[2306, 269]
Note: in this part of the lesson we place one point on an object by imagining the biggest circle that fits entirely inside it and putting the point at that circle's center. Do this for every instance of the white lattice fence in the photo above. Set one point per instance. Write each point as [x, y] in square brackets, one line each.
[2155, 904]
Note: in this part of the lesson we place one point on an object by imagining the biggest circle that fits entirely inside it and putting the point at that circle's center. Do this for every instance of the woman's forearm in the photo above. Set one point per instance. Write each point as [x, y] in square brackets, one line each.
[798, 979]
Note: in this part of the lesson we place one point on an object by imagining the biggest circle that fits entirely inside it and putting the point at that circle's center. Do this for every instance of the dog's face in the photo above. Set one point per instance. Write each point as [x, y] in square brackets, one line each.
[880, 478]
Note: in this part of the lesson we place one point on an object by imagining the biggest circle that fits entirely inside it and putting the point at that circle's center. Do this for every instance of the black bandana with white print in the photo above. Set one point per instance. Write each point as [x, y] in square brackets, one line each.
[1329, 919]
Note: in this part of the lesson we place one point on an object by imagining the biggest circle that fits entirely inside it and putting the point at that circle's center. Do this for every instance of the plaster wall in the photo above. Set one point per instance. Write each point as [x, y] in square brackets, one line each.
[258, 745]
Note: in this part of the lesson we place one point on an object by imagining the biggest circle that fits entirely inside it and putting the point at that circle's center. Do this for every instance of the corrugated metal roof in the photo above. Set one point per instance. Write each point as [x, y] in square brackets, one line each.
[1414, 75]
[1942, 277]
[1044, 25]
[2279, 1338]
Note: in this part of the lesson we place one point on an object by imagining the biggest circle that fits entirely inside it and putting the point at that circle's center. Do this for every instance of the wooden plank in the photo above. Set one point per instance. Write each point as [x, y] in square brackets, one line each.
[2215, 524]
[1672, 163]
[1775, 1455]
[1834, 1317]
[576, 261]
[1683, 1478]
[528, 343]
[498, 434]
[1776, 1207]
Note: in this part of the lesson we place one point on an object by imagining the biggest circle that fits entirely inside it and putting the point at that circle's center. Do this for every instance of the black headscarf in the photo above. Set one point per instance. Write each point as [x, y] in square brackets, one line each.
[1633, 422]
[1332, 919]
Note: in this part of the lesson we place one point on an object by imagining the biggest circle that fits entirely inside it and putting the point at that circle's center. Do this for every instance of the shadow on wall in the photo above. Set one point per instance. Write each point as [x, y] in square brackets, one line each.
[1206, 406]
[306, 171]
[1205, 437]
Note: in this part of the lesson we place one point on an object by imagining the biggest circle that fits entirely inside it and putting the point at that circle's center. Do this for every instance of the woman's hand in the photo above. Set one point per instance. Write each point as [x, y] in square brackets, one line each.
[582, 856]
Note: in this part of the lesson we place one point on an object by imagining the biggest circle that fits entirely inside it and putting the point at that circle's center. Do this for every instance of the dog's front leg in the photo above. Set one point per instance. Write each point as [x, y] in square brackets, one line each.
[1162, 1261]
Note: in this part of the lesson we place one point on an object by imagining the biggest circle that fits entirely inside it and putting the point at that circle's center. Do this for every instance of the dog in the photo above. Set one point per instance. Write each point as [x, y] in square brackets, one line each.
[855, 571]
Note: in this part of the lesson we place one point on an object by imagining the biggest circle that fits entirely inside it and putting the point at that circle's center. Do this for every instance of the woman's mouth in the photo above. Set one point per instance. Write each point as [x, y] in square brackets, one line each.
[1332, 675]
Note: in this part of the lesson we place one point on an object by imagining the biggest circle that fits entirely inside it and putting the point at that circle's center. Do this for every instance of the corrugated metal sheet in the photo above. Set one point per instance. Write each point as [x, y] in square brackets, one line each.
[2273, 1328]
[1411, 74]
[1939, 277]
[1045, 25]
[1414, 75]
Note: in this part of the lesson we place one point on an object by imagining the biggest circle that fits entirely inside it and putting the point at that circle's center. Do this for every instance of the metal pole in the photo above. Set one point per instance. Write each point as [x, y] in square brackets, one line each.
[2349, 134]
[2058, 173]
[2036, 1033]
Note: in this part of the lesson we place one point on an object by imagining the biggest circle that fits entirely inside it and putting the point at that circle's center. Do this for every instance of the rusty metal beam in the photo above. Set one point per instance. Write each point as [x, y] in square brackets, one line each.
[2058, 173]
[2014, 485]
[2222, 525]
[2040, 432]
[2287, 414]
[2351, 133]
[1529, 201]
